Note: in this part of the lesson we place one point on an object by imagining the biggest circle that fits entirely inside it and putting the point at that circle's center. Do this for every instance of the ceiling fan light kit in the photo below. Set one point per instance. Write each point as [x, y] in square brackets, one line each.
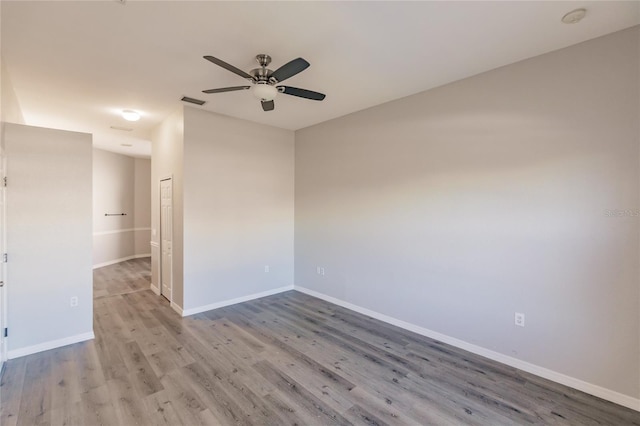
[264, 80]
[265, 91]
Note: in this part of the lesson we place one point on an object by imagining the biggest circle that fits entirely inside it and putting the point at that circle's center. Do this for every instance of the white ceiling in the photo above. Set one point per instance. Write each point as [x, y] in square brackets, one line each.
[74, 65]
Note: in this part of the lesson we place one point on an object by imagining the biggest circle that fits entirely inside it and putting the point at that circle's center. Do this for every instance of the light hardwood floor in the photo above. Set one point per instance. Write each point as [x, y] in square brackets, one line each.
[285, 359]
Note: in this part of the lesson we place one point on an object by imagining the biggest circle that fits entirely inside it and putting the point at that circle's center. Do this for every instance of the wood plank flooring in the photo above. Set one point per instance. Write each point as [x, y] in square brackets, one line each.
[288, 359]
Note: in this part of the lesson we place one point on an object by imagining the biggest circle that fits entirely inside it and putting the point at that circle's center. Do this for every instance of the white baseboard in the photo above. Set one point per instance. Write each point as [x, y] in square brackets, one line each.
[177, 308]
[599, 391]
[122, 259]
[197, 310]
[52, 344]
[155, 289]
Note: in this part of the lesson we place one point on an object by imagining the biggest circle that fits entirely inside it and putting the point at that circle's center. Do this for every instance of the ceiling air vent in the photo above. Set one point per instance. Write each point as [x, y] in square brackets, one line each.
[192, 100]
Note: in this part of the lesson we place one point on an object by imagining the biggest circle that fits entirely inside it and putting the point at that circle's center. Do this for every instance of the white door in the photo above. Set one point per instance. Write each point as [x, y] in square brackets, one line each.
[166, 236]
[3, 299]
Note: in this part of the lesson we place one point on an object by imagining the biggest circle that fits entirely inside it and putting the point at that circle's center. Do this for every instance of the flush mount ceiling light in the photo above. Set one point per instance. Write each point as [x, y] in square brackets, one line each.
[574, 16]
[130, 115]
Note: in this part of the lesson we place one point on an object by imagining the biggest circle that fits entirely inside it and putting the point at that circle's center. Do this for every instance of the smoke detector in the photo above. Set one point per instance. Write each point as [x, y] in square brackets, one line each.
[574, 16]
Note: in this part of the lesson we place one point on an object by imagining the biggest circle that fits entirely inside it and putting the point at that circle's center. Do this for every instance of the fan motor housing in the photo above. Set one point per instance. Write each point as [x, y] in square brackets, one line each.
[261, 74]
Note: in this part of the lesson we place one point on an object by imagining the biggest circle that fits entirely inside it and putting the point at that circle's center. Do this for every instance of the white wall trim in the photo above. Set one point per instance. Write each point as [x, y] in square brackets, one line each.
[599, 391]
[177, 308]
[154, 289]
[204, 308]
[52, 344]
[118, 231]
[122, 259]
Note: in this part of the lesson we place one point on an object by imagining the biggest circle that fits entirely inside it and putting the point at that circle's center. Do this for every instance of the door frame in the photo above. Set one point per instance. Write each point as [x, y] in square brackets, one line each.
[160, 257]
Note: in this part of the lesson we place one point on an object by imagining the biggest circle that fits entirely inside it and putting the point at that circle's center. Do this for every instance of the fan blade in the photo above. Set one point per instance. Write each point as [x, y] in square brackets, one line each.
[268, 105]
[228, 67]
[289, 69]
[227, 89]
[301, 93]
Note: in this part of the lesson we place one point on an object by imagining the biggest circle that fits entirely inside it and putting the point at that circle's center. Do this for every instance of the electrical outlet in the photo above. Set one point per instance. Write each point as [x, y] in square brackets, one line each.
[318, 270]
[266, 268]
[74, 302]
[519, 319]
[322, 271]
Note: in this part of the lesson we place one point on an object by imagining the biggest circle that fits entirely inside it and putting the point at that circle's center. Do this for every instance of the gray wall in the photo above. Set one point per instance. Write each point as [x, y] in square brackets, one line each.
[238, 208]
[121, 184]
[49, 235]
[167, 161]
[454, 208]
[232, 206]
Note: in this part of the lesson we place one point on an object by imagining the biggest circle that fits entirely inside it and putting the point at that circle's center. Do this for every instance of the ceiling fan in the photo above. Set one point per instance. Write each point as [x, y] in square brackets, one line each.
[264, 80]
